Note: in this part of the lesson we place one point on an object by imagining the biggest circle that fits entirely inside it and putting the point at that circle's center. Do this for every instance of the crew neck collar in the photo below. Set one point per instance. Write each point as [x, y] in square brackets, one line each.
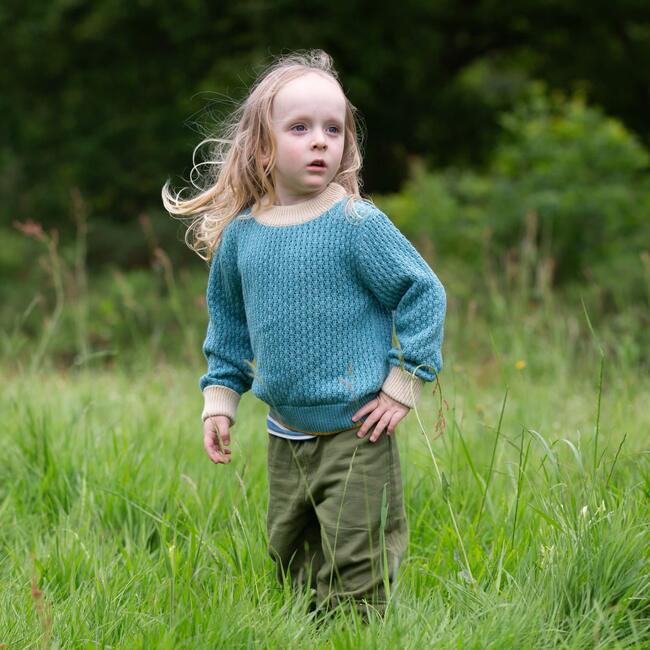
[288, 215]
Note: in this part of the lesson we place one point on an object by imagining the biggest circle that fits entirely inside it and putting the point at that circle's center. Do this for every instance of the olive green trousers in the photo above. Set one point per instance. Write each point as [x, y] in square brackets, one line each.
[336, 521]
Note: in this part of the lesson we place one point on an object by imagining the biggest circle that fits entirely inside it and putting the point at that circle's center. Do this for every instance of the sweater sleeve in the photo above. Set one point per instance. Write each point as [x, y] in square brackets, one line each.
[227, 346]
[391, 268]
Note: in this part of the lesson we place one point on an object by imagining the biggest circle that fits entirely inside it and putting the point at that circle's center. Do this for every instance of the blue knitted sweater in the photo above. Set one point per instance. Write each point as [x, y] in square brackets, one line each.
[316, 307]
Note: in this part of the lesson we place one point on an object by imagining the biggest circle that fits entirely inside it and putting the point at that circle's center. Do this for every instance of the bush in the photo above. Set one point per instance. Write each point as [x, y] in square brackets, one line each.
[564, 201]
[582, 173]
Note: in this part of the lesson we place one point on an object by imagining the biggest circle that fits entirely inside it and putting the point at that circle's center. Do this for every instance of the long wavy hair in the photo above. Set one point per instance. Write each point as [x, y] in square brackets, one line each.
[236, 178]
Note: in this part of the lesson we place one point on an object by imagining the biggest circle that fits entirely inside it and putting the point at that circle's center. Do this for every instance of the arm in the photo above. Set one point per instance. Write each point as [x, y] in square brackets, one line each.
[391, 268]
[227, 346]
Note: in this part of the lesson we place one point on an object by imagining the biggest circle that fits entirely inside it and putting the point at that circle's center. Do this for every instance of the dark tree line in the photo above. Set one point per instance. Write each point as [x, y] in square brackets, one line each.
[106, 96]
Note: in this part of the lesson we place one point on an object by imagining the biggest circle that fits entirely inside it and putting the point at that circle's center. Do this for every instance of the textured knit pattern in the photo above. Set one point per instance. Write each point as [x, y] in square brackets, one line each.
[303, 315]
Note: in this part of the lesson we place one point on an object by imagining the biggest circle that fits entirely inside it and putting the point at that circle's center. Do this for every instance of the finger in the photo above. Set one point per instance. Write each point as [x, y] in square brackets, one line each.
[215, 455]
[214, 442]
[392, 425]
[367, 408]
[211, 450]
[220, 435]
[220, 459]
[382, 424]
[369, 422]
[215, 446]
[223, 436]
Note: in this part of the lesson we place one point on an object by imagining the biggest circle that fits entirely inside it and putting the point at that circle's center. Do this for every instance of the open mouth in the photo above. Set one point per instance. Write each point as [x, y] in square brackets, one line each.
[317, 163]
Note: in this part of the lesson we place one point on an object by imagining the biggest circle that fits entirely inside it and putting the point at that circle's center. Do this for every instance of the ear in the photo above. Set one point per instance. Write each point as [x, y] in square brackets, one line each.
[265, 157]
[265, 151]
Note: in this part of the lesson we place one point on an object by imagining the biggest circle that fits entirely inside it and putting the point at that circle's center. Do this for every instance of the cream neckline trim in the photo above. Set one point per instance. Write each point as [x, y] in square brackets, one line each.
[287, 215]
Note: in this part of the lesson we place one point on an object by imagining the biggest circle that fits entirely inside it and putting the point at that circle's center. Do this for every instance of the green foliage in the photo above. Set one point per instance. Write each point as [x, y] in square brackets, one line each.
[560, 215]
[58, 314]
[584, 176]
[100, 95]
[564, 202]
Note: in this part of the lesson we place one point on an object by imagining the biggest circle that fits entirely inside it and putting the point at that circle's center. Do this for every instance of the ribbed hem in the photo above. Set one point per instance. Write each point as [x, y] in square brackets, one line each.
[288, 215]
[323, 419]
[402, 386]
[220, 400]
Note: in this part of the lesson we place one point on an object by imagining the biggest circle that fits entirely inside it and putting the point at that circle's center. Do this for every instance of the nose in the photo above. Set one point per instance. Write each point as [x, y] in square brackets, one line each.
[319, 142]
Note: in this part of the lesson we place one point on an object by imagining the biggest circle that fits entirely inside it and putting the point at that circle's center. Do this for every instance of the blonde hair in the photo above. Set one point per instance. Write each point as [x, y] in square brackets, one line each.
[236, 177]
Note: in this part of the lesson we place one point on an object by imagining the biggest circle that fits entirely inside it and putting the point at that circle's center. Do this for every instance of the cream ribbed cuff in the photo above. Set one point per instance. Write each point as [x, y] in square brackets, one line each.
[402, 386]
[288, 215]
[220, 400]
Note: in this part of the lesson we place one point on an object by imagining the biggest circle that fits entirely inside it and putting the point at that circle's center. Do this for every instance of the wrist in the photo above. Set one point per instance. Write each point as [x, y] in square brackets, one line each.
[403, 386]
[220, 401]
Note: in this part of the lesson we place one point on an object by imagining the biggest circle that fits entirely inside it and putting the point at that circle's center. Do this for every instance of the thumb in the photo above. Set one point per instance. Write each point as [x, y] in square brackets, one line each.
[222, 426]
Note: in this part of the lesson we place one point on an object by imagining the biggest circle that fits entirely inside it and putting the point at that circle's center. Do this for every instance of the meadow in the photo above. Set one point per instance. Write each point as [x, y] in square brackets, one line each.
[513, 154]
[527, 484]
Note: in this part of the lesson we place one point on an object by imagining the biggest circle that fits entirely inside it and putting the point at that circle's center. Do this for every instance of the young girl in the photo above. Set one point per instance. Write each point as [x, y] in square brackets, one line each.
[320, 306]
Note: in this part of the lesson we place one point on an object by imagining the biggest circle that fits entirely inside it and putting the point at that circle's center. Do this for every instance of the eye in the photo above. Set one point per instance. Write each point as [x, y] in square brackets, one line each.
[335, 129]
[298, 127]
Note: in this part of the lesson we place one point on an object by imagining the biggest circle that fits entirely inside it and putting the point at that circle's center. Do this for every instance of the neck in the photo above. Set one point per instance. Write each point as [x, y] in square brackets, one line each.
[295, 213]
[284, 198]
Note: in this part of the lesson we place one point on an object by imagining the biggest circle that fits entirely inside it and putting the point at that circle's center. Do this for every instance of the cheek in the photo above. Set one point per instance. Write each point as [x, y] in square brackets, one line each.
[289, 150]
[339, 149]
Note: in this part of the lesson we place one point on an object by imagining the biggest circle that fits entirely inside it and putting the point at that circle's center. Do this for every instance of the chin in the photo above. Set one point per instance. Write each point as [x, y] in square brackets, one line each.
[318, 182]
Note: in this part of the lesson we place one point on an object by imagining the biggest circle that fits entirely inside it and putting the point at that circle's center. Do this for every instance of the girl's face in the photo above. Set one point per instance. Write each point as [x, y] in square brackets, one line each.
[308, 124]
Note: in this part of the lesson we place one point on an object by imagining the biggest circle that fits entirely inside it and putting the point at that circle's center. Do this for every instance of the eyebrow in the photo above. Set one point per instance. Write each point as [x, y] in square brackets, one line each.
[306, 118]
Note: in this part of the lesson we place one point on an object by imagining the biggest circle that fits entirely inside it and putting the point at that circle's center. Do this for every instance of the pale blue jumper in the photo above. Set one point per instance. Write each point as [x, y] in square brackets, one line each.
[303, 315]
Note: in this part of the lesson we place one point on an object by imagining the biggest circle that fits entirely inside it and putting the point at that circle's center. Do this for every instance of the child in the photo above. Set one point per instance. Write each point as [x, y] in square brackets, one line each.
[305, 283]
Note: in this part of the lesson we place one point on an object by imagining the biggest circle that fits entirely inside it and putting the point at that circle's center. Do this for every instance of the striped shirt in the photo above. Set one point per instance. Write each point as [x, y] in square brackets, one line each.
[279, 430]
[276, 428]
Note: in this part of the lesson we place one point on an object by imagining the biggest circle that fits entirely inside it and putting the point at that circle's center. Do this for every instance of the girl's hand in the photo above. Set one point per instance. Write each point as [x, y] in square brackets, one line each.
[216, 438]
[384, 410]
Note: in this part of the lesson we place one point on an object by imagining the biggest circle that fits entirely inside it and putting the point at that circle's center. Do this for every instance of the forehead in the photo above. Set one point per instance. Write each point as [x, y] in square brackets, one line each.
[311, 93]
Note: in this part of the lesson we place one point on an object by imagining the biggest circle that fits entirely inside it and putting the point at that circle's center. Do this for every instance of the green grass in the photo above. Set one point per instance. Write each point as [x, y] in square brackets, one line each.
[117, 531]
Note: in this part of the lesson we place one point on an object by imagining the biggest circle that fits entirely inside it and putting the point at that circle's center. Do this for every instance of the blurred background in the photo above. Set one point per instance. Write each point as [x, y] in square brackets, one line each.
[508, 141]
